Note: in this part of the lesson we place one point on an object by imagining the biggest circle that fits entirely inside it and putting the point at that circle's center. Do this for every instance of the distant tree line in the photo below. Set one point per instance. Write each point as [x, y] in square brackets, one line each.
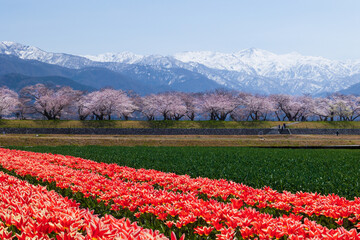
[39, 101]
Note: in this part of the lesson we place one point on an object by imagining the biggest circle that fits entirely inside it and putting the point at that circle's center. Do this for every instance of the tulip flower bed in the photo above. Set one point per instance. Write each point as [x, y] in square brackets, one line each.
[325, 171]
[32, 212]
[201, 208]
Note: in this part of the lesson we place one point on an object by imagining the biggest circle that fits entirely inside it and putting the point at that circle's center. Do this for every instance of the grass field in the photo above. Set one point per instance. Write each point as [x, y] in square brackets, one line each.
[312, 170]
[168, 124]
[179, 140]
[327, 125]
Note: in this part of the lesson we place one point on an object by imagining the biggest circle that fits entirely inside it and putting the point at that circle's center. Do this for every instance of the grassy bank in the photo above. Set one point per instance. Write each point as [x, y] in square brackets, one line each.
[134, 124]
[327, 125]
[311, 170]
[169, 124]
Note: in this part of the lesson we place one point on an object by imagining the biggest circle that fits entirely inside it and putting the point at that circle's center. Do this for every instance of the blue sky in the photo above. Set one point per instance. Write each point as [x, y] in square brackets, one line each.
[311, 27]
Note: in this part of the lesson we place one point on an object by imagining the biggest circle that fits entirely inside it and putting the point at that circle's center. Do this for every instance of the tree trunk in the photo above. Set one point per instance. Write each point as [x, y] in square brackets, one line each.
[191, 116]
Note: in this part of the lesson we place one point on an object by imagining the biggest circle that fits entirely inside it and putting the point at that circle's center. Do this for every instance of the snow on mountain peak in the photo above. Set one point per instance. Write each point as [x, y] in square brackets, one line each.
[123, 57]
[21, 50]
[269, 64]
[7, 43]
[33, 53]
[215, 60]
[253, 52]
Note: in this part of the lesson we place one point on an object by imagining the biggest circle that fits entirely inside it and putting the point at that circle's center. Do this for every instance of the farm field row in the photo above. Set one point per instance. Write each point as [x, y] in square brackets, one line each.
[178, 140]
[199, 207]
[33, 212]
[172, 124]
[310, 170]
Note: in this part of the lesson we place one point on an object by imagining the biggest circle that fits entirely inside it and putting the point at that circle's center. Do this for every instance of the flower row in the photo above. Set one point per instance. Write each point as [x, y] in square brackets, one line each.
[331, 206]
[28, 211]
[179, 211]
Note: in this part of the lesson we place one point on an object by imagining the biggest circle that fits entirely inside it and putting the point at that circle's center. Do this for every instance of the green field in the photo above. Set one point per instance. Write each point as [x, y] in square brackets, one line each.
[168, 124]
[311, 170]
[327, 125]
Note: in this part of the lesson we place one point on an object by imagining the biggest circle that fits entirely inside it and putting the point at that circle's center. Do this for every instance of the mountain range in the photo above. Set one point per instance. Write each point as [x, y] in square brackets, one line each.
[250, 70]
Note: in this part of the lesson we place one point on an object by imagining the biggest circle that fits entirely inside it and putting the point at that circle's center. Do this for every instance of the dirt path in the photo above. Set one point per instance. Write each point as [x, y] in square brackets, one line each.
[180, 140]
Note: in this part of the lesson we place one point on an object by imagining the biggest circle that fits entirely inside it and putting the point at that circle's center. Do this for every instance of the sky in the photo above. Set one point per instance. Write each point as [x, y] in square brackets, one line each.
[311, 27]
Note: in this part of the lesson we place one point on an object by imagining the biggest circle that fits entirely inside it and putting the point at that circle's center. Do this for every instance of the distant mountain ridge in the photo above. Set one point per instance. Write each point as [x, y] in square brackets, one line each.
[100, 77]
[16, 82]
[352, 90]
[251, 70]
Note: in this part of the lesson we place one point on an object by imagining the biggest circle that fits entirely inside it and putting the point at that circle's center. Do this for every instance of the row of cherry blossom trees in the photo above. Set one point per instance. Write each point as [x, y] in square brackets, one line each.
[67, 103]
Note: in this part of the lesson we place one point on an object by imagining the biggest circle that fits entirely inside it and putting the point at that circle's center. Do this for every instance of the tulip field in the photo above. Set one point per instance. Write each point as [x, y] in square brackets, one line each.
[325, 171]
[32, 212]
[49, 196]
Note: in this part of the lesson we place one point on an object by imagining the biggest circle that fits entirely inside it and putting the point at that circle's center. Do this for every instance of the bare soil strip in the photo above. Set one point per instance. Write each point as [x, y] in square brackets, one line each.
[180, 140]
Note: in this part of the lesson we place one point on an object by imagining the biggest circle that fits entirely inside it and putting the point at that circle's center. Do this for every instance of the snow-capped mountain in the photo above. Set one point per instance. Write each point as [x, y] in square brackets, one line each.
[34, 53]
[124, 57]
[267, 64]
[252, 70]
[261, 71]
[155, 74]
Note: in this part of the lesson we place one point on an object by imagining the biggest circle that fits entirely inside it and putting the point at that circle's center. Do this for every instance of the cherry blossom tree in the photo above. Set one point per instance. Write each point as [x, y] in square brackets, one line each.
[9, 101]
[355, 107]
[164, 105]
[258, 107]
[305, 104]
[241, 112]
[148, 106]
[83, 107]
[50, 103]
[219, 104]
[125, 106]
[323, 108]
[23, 109]
[53, 103]
[294, 108]
[108, 102]
[132, 105]
[346, 107]
[176, 105]
[168, 105]
[192, 103]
